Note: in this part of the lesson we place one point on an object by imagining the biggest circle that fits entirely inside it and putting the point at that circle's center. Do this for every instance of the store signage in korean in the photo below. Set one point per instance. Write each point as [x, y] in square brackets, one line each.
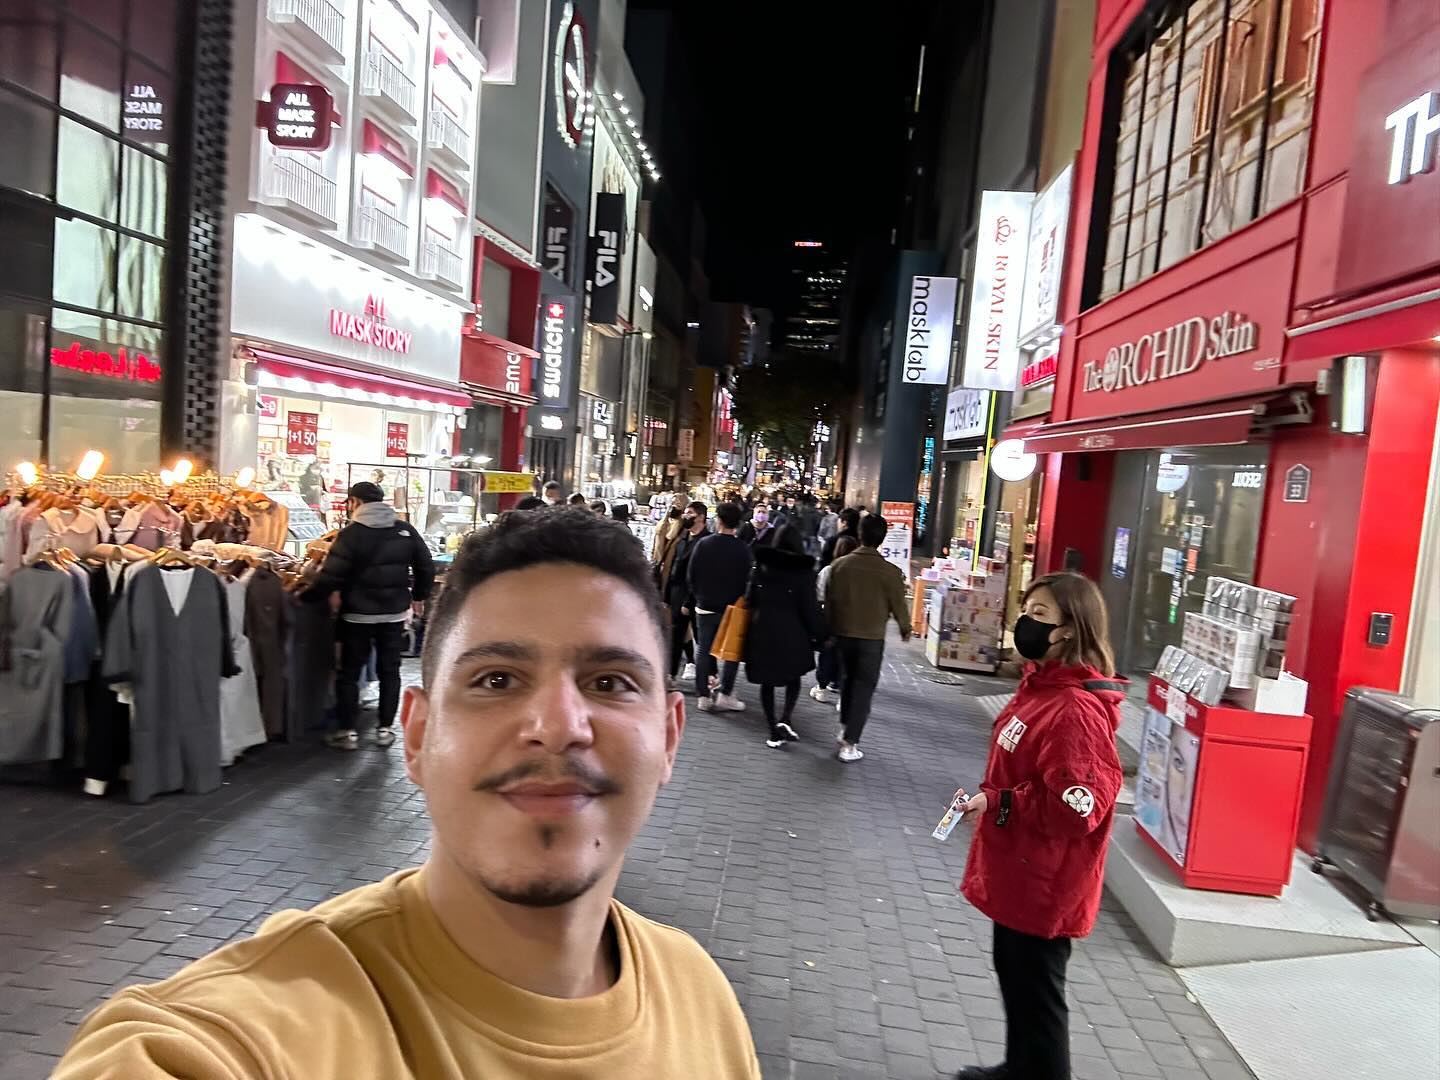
[144, 113]
[966, 412]
[606, 247]
[992, 346]
[302, 433]
[553, 331]
[929, 329]
[298, 116]
[1044, 256]
[559, 224]
[572, 76]
[685, 444]
[551, 422]
[370, 327]
[122, 364]
[1041, 370]
[1171, 352]
[267, 406]
[397, 440]
[1414, 127]
[507, 483]
[602, 412]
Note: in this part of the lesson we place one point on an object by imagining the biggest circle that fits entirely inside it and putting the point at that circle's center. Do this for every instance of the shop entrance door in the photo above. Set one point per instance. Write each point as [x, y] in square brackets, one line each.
[1115, 574]
[547, 458]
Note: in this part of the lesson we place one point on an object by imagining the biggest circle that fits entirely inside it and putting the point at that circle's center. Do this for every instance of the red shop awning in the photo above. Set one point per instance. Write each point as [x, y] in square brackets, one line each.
[437, 187]
[294, 373]
[1021, 429]
[380, 142]
[496, 370]
[1408, 320]
[1220, 423]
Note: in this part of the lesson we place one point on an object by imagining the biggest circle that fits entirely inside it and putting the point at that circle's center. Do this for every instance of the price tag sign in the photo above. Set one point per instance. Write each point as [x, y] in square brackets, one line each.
[1175, 704]
[302, 433]
[397, 440]
[508, 483]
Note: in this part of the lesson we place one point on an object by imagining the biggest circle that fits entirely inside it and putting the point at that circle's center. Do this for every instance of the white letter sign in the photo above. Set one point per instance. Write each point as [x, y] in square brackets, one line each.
[929, 324]
[992, 345]
[1415, 125]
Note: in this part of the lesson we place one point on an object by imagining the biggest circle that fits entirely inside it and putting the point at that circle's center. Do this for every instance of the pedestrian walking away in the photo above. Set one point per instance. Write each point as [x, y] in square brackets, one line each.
[677, 587]
[1043, 817]
[828, 670]
[719, 571]
[847, 523]
[540, 745]
[785, 627]
[863, 592]
[383, 573]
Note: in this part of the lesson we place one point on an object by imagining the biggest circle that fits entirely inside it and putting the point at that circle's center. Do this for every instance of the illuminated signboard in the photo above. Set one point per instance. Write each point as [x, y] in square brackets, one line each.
[553, 331]
[572, 76]
[370, 327]
[122, 364]
[298, 116]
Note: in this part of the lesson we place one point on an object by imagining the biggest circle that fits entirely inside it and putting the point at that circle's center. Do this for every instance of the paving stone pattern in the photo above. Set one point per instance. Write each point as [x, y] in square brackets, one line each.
[816, 886]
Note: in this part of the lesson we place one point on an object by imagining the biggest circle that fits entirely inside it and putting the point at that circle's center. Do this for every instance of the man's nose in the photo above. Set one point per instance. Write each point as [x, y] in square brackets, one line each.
[558, 717]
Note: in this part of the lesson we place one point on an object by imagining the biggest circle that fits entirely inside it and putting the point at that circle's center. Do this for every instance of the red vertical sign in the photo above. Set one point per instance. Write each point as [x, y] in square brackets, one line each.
[302, 433]
[397, 440]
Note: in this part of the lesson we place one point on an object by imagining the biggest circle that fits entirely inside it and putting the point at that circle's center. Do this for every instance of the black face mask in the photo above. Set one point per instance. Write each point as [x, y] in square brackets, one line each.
[688, 522]
[1032, 637]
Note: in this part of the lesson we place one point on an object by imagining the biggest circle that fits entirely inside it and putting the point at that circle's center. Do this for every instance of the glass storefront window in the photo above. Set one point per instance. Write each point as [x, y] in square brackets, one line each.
[144, 194]
[84, 264]
[87, 170]
[22, 350]
[142, 279]
[30, 48]
[90, 75]
[27, 132]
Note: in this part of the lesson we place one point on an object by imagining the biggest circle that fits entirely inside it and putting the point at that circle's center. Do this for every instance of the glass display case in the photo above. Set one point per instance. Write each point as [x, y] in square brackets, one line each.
[442, 502]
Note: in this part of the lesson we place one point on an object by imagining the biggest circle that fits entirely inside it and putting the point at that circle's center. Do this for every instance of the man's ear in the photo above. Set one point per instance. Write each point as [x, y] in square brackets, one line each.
[414, 719]
[674, 728]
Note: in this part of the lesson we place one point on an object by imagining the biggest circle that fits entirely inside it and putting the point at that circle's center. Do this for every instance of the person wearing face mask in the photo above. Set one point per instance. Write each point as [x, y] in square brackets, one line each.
[1043, 817]
[758, 528]
[678, 596]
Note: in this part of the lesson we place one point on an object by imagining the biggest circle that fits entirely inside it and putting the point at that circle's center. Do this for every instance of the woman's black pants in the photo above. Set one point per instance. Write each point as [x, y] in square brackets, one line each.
[1031, 971]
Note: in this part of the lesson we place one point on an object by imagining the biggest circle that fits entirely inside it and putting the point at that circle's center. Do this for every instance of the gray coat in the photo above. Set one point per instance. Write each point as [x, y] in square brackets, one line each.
[173, 665]
[36, 607]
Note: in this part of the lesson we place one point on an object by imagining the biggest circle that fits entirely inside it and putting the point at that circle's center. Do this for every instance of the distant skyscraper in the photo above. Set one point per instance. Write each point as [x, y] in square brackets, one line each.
[817, 296]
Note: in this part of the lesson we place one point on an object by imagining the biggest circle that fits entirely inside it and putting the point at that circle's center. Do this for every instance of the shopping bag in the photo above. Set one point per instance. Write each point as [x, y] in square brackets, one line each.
[730, 638]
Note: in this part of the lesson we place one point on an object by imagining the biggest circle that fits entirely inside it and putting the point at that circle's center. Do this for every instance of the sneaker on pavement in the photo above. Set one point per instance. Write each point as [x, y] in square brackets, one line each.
[343, 740]
[688, 675]
[850, 753]
[705, 704]
[837, 704]
[728, 703]
[822, 694]
[384, 736]
[782, 734]
[983, 1072]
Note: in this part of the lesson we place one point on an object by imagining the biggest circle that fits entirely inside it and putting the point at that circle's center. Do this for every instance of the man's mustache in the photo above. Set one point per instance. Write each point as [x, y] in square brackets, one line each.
[571, 769]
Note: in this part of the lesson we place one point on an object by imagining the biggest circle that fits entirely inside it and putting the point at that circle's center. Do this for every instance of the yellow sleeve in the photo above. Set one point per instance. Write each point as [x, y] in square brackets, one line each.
[135, 1037]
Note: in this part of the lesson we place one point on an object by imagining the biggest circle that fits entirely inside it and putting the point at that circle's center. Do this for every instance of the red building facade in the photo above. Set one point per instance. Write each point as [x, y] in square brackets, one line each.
[1250, 367]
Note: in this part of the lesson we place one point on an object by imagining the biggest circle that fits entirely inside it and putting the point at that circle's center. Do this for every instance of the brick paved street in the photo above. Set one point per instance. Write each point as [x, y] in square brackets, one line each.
[816, 885]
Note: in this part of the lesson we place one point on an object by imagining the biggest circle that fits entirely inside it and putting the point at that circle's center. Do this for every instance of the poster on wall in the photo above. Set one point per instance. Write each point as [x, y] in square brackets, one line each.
[928, 330]
[1165, 786]
[992, 345]
[900, 521]
[1045, 255]
[302, 433]
[1120, 554]
[397, 440]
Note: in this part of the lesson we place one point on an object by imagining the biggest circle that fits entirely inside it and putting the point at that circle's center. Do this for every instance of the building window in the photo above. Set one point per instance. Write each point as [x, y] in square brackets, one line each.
[1212, 104]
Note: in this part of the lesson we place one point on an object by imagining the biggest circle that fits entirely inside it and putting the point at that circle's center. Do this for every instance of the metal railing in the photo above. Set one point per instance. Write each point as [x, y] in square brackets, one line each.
[294, 181]
[382, 229]
[384, 77]
[447, 134]
[438, 261]
[322, 17]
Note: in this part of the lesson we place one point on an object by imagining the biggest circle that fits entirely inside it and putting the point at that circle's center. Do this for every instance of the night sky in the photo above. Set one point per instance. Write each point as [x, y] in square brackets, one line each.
[801, 127]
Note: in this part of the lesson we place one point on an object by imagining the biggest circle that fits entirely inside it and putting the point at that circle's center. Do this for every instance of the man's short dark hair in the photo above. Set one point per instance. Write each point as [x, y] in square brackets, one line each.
[728, 514]
[850, 518]
[522, 539]
[700, 508]
[366, 492]
[576, 499]
[872, 530]
[551, 485]
[530, 502]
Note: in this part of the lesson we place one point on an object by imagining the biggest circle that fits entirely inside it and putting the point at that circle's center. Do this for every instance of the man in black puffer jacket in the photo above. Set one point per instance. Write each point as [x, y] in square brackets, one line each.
[382, 570]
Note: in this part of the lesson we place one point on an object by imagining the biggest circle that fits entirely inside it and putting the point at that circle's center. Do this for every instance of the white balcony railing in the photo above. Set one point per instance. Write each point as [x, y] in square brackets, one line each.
[439, 263]
[320, 17]
[448, 136]
[384, 79]
[294, 184]
[383, 231]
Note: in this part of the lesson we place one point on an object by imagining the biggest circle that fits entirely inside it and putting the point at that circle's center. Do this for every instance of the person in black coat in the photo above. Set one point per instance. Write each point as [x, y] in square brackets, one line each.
[383, 571]
[785, 627]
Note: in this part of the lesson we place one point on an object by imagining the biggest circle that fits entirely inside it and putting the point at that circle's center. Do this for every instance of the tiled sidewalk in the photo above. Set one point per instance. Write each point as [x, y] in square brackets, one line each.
[815, 884]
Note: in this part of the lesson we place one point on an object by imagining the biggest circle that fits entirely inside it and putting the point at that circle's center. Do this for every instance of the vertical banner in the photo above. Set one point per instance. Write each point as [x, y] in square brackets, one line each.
[992, 343]
[302, 433]
[397, 440]
[929, 326]
[900, 521]
[559, 228]
[606, 247]
[1045, 256]
[555, 365]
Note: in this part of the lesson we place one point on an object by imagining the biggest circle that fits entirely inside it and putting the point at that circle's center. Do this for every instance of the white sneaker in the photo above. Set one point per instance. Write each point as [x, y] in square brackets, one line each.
[850, 753]
[384, 736]
[783, 733]
[728, 703]
[705, 704]
[343, 740]
[837, 704]
[688, 675]
[370, 696]
[823, 694]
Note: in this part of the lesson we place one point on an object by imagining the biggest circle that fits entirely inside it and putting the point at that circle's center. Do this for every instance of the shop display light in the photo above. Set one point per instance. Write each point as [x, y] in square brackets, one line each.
[182, 470]
[28, 473]
[90, 465]
[167, 477]
[245, 477]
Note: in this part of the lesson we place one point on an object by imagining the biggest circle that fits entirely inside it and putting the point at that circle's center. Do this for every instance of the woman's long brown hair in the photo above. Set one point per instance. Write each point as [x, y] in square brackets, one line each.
[1083, 610]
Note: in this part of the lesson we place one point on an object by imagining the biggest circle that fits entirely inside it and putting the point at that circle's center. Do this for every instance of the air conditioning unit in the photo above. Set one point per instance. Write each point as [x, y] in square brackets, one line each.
[1382, 804]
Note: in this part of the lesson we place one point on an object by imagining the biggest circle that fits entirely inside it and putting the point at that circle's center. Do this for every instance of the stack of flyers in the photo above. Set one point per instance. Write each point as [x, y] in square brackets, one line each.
[952, 817]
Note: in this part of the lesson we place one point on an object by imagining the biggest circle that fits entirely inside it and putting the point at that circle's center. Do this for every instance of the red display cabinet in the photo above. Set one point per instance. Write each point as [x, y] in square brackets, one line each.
[1218, 796]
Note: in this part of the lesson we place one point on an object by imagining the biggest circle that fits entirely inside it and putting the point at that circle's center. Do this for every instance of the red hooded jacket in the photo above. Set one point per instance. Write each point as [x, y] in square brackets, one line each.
[1037, 863]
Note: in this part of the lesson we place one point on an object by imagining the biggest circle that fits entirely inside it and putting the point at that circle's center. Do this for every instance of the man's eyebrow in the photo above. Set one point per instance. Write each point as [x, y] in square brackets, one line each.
[497, 650]
[616, 654]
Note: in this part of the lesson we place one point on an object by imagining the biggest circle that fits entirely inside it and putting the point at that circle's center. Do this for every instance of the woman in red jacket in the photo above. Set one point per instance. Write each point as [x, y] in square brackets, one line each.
[1043, 816]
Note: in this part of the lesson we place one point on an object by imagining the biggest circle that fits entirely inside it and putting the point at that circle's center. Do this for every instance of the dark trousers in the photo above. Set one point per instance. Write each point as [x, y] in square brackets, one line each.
[356, 641]
[860, 658]
[679, 640]
[706, 626]
[767, 702]
[1031, 971]
[828, 672]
